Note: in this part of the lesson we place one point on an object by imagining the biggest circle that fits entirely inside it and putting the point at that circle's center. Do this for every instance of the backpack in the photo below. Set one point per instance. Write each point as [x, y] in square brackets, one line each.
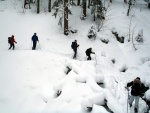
[9, 40]
[72, 45]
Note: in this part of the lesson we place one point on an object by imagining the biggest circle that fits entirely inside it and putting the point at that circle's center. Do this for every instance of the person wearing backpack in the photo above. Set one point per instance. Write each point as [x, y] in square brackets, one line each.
[74, 46]
[137, 90]
[11, 40]
[34, 40]
[88, 53]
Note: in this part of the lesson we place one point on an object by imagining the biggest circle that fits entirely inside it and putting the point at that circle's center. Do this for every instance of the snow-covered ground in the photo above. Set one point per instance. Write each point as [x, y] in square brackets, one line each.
[30, 80]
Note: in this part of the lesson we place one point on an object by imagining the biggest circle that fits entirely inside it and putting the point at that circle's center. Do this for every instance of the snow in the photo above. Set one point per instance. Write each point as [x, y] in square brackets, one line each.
[30, 80]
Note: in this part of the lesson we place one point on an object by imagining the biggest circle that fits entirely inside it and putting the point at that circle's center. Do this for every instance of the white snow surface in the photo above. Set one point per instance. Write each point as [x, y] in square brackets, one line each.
[30, 79]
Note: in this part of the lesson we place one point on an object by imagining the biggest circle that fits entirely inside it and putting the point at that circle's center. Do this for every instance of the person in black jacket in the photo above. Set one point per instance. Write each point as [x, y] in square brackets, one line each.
[88, 53]
[74, 47]
[34, 39]
[137, 90]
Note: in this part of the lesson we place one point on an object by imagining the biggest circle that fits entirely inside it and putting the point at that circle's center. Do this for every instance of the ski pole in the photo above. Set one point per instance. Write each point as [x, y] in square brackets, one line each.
[31, 44]
[127, 98]
[147, 107]
[39, 45]
[95, 59]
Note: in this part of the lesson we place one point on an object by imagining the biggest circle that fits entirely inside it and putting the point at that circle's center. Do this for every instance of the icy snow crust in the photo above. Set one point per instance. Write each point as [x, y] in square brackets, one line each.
[30, 80]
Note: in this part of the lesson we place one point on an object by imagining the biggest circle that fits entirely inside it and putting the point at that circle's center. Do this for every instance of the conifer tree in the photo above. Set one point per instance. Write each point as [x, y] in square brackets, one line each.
[61, 9]
[99, 9]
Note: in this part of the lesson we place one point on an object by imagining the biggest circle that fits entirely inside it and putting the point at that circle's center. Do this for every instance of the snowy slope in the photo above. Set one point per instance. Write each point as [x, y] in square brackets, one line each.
[30, 80]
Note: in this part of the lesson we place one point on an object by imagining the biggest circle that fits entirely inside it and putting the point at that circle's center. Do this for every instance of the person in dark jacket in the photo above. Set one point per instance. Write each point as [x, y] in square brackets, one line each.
[74, 47]
[34, 40]
[88, 53]
[12, 41]
[137, 89]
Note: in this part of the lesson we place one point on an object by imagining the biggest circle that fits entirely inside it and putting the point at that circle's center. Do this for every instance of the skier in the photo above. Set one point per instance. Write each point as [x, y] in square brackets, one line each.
[137, 90]
[88, 53]
[11, 40]
[34, 39]
[74, 47]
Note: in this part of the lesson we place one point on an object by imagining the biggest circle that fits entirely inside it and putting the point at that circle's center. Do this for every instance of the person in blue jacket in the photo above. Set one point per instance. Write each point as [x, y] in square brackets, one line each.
[34, 40]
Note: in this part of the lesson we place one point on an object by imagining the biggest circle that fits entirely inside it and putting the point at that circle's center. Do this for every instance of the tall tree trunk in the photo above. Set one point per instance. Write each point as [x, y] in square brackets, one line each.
[129, 8]
[24, 3]
[49, 6]
[149, 4]
[89, 4]
[29, 4]
[38, 6]
[94, 17]
[65, 17]
[78, 3]
[84, 8]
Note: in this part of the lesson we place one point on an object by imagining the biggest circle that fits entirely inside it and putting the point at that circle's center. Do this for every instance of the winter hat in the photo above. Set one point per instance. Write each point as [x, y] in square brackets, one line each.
[12, 35]
[138, 78]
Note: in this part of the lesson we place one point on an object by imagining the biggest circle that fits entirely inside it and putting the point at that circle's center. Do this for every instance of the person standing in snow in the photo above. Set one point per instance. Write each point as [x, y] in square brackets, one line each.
[12, 41]
[34, 40]
[88, 53]
[137, 90]
[74, 47]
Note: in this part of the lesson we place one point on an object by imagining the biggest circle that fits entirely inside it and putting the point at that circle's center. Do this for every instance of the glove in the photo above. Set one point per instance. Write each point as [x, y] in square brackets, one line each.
[16, 42]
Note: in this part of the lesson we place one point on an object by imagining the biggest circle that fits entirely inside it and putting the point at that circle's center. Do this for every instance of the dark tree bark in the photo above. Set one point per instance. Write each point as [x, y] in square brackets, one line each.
[129, 8]
[49, 6]
[149, 5]
[125, 1]
[110, 1]
[84, 8]
[89, 4]
[65, 17]
[94, 17]
[78, 3]
[38, 6]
